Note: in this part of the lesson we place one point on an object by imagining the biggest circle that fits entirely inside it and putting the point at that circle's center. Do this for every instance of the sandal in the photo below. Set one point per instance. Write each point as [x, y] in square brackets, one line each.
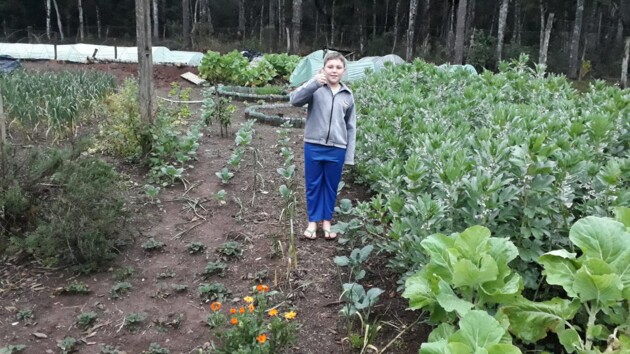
[329, 236]
[310, 234]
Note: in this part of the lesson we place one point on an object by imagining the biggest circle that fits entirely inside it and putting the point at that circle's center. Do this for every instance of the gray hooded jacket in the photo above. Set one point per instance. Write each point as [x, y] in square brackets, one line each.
[331, 119]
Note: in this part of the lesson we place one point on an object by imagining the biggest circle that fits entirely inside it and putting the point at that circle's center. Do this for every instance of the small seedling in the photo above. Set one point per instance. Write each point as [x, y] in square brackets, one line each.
[108, 349]
[67, 345]
[167, 274]
[26, 315]
[214, 268]
[119, 289]
[135, 319]
[231, 249]
[86, 319]
[220, 196]
[224, 175]
[213, 292]
[196, 247]
[123, 273]
[11, 349]
[179, 288]
[76, 288]
[153, 245]
[170, 321]
[155, 348]
[152, 192]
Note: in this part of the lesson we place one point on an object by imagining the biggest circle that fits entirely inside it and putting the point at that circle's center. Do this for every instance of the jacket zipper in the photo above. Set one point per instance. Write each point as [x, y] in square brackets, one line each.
[332, 108]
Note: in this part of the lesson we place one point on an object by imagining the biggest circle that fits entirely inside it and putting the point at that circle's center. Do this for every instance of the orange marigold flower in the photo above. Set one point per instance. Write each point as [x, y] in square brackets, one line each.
[241, 310]
[262, 338]
[234, 321]
[248, 299]
[232, 310]
[273, 312]
[262, 288]
[290, 315]
[215, 306]
[251, 308]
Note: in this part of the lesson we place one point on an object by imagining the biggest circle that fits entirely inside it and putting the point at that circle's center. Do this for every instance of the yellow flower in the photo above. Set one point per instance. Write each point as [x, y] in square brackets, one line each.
[248, 299]
[273, 312]
[290, 315]
[215, 306]
[262, 338]
[251, 308]
[234, 321]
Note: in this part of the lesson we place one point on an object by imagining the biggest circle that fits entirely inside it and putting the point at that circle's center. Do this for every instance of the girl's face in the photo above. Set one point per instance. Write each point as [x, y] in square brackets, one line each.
[333, 70]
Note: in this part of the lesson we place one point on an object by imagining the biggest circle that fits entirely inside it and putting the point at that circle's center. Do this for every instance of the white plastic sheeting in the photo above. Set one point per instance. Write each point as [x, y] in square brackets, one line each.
[82, 53]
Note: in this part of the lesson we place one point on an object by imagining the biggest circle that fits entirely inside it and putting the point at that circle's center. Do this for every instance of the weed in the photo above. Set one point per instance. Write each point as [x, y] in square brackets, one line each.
[86, 319]
[213, 292]
[213, 268]
[170, 321]
[134, 320]
[196, 248]
[26, 315]
[108, 349]
[153, 245]
[152, 192]
[124, 273]
[231, 249]
[119, 289]
[67, 345]
[166, 274]
[76, 287]
[220, 196]
[12, 348]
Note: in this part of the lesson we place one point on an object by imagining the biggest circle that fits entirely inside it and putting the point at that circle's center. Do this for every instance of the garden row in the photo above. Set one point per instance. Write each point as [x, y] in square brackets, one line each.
[523, 154]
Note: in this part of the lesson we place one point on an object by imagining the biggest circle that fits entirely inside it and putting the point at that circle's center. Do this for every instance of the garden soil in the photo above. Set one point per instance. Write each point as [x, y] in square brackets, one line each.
[189, 213]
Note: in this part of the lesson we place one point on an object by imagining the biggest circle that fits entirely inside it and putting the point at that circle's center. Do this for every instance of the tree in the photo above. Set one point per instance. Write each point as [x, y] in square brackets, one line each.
[503, 12]
[48, 19]
[81, 30]
[156, 27]
[241, 18]
[625, 18]
[413, 10]
[186, 22]
[297, 26]
[58, 19]
[575, 40]
[460, 32]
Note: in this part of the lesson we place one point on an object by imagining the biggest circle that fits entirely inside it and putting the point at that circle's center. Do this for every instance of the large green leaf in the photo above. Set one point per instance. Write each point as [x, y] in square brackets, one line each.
[477, 329]
[437, 246]
[570, 339]
[503, 291]
[531, 321]
[601, 238]
[418, 291]
[560, 267]
[597, 280]
[473, 242]
[503, 349]
[503, 251]
[441, 332]
[450, 301]
[439, 347]
[466, 273]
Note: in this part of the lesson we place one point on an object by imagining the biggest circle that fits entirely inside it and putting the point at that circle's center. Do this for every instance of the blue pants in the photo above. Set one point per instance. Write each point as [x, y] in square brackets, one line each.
[322, 173]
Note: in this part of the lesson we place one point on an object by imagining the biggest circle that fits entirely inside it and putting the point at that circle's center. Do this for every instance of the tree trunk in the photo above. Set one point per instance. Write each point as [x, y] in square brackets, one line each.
[241, 18]
[386, 15]
[58, 19]
[413, 10]
[503, 12]
[624, 64]
[261, 24]
[156, 21]
[98, 23]
[396, 25]
[516, 33]
[145, 59]
[281, 19]
[272, 13]
[81, 30]
[332, 23]
[360, 14]
[470, 17]
[426, 20]
[460, 32]
[186, 22]
[450, 37]
[574, 49]
[48, 19]
[297, 26]
[544, 48]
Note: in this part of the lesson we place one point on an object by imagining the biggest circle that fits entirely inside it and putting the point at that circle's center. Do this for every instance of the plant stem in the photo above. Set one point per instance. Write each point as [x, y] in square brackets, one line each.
[592, 314]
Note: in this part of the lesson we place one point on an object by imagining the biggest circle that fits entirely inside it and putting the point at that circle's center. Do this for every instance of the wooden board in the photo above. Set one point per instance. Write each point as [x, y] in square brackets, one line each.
[192, 78]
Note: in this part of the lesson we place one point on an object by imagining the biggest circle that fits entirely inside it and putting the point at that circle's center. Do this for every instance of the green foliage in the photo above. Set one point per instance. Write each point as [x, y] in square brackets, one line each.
[597, 281]
[119, 289]
[27, 316]
[231, 249]
[12, 349]
[357, 257]
[196, 247]
[71, 222]
[224, 175]
[213, 268]
[67, 345]
[482, 53]
[86, 319]
[213, 292]
[153, 245]
[134, 320]
[234, 69]
[123, 273]
[58, 102]
[520, 152]
[283, 63]
[155, 348]
[108, 349]
[358, 300]
[218, 109]
[76, 287]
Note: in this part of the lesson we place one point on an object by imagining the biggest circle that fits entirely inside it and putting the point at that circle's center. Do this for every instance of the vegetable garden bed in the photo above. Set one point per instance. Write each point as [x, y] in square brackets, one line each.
[254, 93]
[277, 114]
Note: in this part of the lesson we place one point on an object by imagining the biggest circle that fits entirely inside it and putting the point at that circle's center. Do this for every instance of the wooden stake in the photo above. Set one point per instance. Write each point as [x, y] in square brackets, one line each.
[145, 59]
[3, 136]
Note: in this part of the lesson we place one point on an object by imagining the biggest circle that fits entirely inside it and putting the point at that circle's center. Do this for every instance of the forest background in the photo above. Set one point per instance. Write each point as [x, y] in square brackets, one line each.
[579, 38]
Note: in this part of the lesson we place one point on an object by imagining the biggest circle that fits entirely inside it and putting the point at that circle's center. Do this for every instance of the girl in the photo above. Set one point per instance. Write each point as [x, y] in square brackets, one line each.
[329, 139]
